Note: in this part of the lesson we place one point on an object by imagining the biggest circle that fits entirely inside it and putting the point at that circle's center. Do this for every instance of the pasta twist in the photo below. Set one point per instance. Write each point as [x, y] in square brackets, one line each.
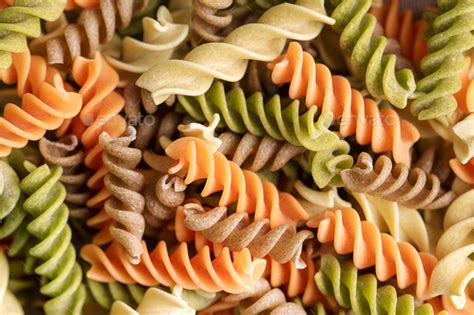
[124, 183]
[368, 54]
[256, 153]
[160, 38]
[54, 248]
[228, 60]
[262, 299]
[251, 194]
[155, 301]
[412, 188]
[23, 19]
[252, 115]
[46, 102]
[230, 273]
[452, 36]
[453, 274]
[372, 248]
[281, 243]
[11, 211]
[464, 171]
[8, 302]
[206, 22]
[105, 294]
[64, 154]
[400, 26]
[95, 26]
[361, 293]
[358, 116]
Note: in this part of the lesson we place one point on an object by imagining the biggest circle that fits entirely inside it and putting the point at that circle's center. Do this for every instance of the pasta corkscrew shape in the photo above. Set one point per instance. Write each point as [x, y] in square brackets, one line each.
[251, 194]
[236, 232]
[44, 203]
[46, 102]
[231, 273]
[206, 21]
[358, 116]
[367, 53]
[228, 60]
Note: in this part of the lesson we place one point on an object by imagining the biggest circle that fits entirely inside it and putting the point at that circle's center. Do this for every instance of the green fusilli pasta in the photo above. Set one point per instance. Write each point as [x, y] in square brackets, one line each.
[61, 273]
[22, 19]
[253, 115]
[452, 36]
[105, 294]
[11, 209]
[367, 53]
[361, 293]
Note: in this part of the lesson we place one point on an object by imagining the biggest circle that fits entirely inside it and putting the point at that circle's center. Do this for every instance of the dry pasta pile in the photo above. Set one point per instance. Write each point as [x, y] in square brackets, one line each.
[279, 157]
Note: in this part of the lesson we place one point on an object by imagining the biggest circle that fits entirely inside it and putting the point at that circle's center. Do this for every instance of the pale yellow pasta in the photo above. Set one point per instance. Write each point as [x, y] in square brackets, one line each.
[463, 141]
[155, 301]
[202, 132]
[228, 60]
[455, 270]
[160, 38]
[315, 202]
[404, 224]
[8, 302]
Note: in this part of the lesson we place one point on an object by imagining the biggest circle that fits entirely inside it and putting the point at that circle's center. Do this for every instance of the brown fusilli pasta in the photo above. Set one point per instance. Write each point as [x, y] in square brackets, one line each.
[411, 187]
[281, 243]
[64, 153]
[254, 152]
[206, 22]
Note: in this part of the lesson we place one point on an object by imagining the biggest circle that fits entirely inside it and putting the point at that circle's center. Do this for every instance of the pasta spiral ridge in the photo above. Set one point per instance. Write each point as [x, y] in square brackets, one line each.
[358, 116]
[282, 243]
[233, 273]
[124, 183]
[368, 53]
[11, 210]
[64, 154]
[105, 294]
[46, 102]
[452, 276]
[443, 65]
[371, 248]
[228, 60]
[255, 153]
[23, 19]
[44, 202]
[464, 171]
[264, 298]
[251, 194]
[361, 293]
[95, 26]
[411, 187]
[253, 115]
[206, 21]
[401, 27]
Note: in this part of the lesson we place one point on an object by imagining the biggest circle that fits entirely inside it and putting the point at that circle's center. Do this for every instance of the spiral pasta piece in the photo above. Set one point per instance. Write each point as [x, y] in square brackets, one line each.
[251, 194]
[8, 302]
[44, 203]
[46, 102]
[105, 294]
[262, 299]
[464, 171]
[22, 19]
[154, 301]
[230, 273]
[160, 38]
[252, 115]
[372, 248]
[255, 153]
[228, 60]
[452, 36]
[358, 116]
[453, 274]
[412, 188]
[368, 55]
[64, 153]
[95, 26]
[361, 293]
[206, 21]
[236, 232]
[11, 210]
[400, 26]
